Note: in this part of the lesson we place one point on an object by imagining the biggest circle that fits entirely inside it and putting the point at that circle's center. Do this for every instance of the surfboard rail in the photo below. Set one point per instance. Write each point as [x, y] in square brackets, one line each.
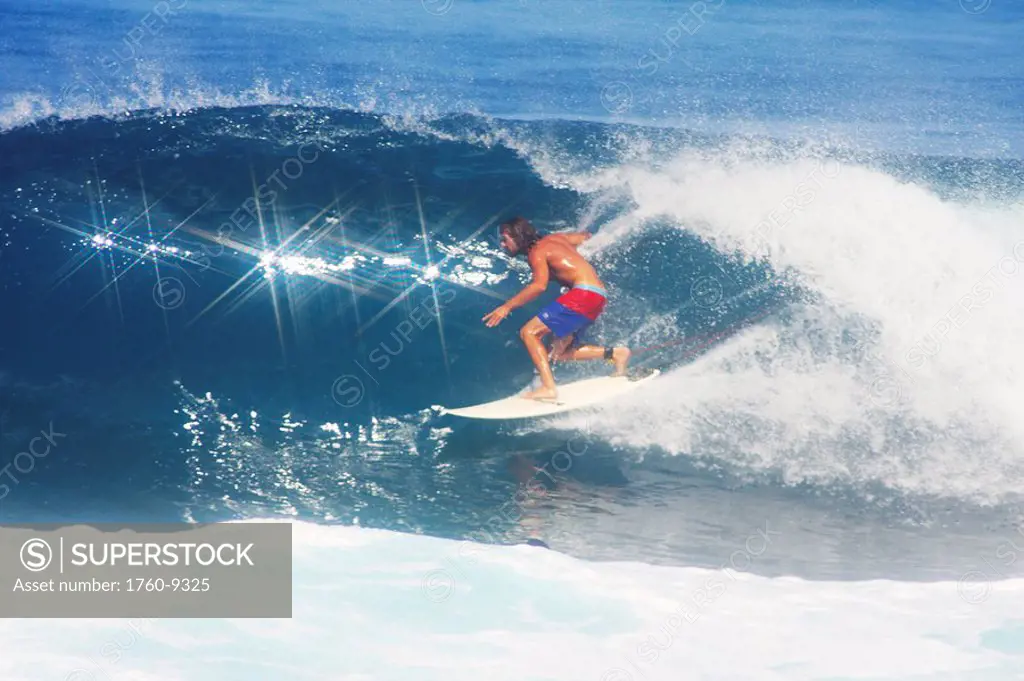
[574, 395]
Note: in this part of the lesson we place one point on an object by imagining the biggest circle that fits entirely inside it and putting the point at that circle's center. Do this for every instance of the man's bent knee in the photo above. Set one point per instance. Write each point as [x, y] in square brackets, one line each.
[533, 328]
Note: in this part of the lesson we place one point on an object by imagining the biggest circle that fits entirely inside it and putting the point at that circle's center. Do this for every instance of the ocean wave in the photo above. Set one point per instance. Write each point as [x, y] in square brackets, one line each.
[884, 288]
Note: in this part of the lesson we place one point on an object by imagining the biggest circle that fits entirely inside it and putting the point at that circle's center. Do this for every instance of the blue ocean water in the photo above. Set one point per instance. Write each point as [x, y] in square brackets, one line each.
[245, 249]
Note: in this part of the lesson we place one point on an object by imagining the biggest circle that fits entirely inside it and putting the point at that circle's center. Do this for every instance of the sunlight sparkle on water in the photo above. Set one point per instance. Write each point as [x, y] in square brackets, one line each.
[297, 264]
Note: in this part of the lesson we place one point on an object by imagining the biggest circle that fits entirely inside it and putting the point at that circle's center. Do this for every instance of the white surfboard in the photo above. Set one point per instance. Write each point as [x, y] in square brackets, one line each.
[576, 395]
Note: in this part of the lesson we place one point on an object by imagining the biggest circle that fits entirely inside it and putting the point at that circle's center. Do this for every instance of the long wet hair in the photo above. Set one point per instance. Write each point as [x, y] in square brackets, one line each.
[523, 234]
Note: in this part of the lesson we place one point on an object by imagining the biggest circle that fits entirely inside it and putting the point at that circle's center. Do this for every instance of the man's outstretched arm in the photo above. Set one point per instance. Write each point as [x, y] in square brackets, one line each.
[539, 265]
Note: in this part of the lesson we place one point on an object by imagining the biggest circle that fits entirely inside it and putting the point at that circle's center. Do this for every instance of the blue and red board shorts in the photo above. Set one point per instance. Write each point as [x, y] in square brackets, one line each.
[574, 311]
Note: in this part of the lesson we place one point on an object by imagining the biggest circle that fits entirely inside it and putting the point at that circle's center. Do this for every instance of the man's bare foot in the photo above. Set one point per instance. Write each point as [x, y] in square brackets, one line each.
[621, 358]
[541, 394]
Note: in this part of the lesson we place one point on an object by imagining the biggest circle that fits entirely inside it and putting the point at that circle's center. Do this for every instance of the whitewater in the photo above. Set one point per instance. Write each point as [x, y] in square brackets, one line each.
[372, 604]
[898, 365]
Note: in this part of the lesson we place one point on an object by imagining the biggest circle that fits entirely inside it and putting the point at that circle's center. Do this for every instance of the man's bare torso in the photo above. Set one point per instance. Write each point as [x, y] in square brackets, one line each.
[565, 263]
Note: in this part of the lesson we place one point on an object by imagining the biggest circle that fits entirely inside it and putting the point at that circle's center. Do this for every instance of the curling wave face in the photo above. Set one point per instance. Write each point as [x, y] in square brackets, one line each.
[833, 330]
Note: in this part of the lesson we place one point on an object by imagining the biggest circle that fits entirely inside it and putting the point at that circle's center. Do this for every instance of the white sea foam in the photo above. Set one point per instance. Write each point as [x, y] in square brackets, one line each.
[906, 369]
[386, 606]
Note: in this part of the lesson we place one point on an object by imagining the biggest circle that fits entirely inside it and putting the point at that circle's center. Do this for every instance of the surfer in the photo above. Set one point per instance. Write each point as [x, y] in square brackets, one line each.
[555, 255]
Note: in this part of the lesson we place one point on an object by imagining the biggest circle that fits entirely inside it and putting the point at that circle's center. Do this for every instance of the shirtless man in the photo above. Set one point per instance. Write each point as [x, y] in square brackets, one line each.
[569, 316]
